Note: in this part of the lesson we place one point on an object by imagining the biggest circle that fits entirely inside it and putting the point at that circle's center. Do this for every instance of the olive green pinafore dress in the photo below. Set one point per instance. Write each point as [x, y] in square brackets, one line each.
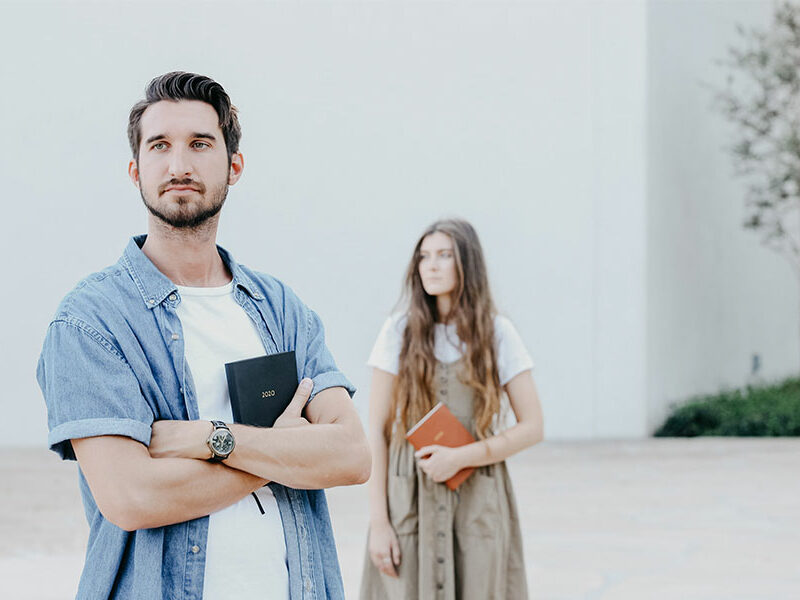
[455, 545]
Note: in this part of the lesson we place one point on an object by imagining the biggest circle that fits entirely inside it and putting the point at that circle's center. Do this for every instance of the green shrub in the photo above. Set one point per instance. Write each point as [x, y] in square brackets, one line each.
[770, 410]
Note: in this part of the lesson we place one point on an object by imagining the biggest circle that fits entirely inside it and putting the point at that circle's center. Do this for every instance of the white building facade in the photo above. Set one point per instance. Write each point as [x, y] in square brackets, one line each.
[578, 137]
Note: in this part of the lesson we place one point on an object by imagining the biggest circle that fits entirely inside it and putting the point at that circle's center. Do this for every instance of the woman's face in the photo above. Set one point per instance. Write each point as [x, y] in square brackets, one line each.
[437, 265]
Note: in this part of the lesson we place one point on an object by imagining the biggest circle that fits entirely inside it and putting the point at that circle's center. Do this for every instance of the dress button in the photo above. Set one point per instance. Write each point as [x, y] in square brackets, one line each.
[173, 297]
[441, 507]
[439, 586]
[440, 534]
[195, 549]
[440, 560]
[443, 392]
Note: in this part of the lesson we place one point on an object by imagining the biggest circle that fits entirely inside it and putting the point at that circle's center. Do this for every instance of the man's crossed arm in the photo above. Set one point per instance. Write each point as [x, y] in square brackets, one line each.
[137, 487]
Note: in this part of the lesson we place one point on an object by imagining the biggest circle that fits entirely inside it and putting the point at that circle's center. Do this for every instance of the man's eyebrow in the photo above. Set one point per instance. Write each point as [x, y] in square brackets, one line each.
[162, 136]
[153, 138]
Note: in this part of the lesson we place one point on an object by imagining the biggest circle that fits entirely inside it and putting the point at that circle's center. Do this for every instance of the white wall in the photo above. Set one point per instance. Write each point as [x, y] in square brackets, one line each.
[715, 295]
[362, 123]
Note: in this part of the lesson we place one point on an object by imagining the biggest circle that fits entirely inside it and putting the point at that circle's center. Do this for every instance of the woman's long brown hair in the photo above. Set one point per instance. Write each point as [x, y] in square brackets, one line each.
[472, 311]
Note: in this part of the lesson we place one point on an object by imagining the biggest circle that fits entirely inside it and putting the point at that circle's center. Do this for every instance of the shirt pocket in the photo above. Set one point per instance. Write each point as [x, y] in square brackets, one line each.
[402, 499]
[478, 510]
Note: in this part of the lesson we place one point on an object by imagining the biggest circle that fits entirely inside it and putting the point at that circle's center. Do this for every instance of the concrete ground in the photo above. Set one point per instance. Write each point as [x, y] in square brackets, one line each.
[680, 519]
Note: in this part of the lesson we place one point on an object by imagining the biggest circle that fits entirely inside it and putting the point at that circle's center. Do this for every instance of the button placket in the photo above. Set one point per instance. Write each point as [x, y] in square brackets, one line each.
[443, 525]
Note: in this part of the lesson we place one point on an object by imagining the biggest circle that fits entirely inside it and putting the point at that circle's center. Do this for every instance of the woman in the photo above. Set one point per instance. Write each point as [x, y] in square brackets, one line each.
[450, 346]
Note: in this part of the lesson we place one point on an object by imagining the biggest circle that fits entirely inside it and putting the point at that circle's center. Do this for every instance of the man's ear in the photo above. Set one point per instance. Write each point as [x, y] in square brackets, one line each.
[133, 172]
[237, 166]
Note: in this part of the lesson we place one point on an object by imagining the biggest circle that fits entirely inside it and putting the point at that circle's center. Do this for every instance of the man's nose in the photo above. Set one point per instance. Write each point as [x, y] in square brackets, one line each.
[180, 164]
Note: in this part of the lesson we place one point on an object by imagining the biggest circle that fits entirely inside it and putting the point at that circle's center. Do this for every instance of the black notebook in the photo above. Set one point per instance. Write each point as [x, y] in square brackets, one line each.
[261, 388]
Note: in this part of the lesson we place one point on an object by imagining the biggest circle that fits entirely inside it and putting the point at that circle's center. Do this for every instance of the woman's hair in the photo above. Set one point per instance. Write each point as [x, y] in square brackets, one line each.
[472, 311]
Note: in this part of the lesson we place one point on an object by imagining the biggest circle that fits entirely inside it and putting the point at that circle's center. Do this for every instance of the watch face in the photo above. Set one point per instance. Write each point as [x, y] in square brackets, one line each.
[222, 442]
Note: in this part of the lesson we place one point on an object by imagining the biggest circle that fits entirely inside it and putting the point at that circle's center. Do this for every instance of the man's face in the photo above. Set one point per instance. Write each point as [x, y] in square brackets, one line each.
[183, 172]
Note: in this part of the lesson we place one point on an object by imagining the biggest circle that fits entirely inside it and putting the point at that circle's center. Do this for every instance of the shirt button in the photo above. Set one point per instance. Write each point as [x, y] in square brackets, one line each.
[175, 336]
[151, 301]
[257, 296]
[308, 584]
[443, 392]
[440, 534]
[441, 507]
[173, 297]
[195, 549]
[440, 560]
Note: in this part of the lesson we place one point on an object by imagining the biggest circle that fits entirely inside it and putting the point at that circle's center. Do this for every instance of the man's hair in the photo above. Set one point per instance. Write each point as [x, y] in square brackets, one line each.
[179, 85]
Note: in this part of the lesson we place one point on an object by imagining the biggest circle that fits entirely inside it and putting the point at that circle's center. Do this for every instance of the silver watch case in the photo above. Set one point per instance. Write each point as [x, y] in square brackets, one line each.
[221, 443]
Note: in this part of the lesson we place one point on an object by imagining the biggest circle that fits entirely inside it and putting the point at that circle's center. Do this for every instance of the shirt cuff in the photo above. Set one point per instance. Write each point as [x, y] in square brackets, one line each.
[323, 381]
[60, 436]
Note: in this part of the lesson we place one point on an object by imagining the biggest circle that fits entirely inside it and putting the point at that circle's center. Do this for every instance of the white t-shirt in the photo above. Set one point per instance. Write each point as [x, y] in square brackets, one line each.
[512, 357]
[246, 550]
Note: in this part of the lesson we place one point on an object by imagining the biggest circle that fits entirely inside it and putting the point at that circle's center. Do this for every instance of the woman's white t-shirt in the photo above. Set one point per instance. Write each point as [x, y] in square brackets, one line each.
[512, 357]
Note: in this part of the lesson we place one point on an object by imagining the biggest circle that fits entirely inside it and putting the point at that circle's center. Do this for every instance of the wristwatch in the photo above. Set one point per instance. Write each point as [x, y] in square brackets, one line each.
[220, 442]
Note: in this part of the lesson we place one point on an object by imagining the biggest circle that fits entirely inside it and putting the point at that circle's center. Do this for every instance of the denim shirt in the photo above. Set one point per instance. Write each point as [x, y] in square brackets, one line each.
[113, 362]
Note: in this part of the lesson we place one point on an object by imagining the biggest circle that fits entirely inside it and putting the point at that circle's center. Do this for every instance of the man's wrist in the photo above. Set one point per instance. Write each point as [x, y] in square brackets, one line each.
[203, 451]
[220, 442]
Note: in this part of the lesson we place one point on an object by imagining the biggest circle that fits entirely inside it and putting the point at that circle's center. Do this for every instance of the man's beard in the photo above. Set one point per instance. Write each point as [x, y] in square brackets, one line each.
[186, 217]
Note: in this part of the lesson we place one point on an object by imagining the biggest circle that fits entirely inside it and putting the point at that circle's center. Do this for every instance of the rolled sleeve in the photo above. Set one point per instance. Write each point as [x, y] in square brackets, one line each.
[89, 388]
[319, 365]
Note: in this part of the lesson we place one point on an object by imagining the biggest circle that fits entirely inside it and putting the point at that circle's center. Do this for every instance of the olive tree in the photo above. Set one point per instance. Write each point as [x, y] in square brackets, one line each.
[761, 98]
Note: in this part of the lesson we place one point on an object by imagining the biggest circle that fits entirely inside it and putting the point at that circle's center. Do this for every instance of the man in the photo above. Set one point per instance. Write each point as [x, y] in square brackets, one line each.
[132, 371]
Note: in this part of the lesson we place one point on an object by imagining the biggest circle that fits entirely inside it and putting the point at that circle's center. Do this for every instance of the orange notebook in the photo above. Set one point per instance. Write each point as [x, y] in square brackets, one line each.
[441, 427]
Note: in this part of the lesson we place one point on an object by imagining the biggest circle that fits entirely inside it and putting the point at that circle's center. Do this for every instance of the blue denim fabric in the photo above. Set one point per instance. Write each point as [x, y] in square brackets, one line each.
[113, 362]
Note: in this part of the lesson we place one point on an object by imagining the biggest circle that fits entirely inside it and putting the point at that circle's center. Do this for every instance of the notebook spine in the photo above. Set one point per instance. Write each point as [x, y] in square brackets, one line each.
[233, 392]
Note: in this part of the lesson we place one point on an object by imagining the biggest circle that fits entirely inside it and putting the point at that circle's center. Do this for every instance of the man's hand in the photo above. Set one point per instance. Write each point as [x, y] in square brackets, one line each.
[292, 416]
[440, 463]
[180, 439]
[312, 446]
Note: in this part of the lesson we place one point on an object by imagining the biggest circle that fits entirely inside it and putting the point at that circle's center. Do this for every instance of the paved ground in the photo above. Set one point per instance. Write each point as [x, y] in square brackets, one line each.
[680, 519]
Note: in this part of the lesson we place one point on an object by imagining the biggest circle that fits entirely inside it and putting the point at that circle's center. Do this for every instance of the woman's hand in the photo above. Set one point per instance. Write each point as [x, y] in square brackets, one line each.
[384, 549]
[440, 463]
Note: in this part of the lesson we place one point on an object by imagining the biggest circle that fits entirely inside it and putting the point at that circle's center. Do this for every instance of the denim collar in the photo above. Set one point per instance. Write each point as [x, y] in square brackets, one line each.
[155, 287]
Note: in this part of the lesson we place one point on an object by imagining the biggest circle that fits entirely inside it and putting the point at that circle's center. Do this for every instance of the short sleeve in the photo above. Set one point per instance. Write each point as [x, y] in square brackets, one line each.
[89, 388]
[385, 353]
[318, 364]
[512, 357]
